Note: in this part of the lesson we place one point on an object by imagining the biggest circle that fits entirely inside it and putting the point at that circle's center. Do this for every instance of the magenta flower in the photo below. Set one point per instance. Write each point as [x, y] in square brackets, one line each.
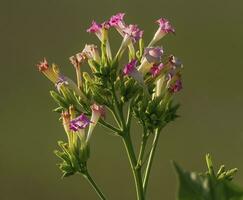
[156, 68]
[130, 67]
[176, 87]
[133, 32]
[117, 20]
[130, 35]
[81, 122]
[101, 34]
[94, 28]
[165, 26]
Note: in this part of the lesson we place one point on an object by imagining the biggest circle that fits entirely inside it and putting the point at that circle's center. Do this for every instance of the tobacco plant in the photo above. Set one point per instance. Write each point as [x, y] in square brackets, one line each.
[137, 82]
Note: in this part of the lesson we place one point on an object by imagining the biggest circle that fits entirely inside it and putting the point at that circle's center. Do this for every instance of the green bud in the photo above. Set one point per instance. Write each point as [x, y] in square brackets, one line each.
[221, 170]
[141, 48]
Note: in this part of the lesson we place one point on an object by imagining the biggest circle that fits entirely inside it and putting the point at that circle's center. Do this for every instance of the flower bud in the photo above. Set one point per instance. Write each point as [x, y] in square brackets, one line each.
[97, 112]
[118, 22]
[52, 73]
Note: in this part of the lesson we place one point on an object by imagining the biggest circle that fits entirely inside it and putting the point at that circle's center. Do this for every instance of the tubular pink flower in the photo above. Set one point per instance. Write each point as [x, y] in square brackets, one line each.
[152, 55]
[117, 20]
[165, 27]
[101, 32]
[118, 23]
[94, 28]
[97, 28]
[133, 32]
[97, 112]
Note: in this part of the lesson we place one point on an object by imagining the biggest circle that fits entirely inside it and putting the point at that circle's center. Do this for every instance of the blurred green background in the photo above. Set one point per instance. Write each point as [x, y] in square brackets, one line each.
[209, 41]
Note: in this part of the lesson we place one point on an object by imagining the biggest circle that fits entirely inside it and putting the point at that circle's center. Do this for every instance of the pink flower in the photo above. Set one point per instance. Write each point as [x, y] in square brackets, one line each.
[130, 67]
[130, 34]
[117, 20]
[153, 54]
[165, 26]
[155, 69]
[97, 112]
[133, 32]
[98, 109]
[94, 28]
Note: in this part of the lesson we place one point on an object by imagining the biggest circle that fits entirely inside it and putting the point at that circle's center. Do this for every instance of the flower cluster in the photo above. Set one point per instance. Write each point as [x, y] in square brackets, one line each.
[146, 84]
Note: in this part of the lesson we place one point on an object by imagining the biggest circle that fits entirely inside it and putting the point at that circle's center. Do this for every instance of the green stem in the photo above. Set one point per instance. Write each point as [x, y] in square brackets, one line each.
[150, 160]
[129, 115]
[117, 106]
[136, 171]
[109, 126]
[94, 185]
[142, 150]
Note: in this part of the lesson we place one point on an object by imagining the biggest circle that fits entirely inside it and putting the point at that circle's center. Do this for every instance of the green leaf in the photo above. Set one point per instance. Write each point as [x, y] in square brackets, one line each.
[192, 186]
[207, 186]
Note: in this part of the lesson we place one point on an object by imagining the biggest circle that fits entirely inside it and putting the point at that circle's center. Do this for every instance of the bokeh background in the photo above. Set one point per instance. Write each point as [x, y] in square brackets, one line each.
[209, 41]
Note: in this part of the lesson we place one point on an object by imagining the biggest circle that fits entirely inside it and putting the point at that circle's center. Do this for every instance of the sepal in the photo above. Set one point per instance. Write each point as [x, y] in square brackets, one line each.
[73, 160]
